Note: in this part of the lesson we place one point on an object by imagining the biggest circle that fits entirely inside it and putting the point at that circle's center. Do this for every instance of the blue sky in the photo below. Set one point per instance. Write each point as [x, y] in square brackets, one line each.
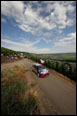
[39, 27]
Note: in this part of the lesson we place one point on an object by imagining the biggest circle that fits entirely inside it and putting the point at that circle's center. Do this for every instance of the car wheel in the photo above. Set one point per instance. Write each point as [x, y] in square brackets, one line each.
[38, 74]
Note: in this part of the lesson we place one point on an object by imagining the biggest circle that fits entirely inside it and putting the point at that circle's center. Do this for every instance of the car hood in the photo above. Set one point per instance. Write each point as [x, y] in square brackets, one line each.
[44, 71]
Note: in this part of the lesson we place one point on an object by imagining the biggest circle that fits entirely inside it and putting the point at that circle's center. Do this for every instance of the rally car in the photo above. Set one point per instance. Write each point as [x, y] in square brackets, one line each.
[40, 70]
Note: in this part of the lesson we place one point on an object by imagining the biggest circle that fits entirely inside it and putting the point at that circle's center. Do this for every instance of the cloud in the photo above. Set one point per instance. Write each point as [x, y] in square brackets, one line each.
[45, 19]
[29, 18]
[60, 13]
[68, 43]
[26, 46]
[46, 40]
[3, 20]
[11, 8]
[70, 8]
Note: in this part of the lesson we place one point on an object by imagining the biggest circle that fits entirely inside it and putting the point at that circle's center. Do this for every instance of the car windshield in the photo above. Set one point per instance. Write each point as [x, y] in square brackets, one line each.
[42, 70]
[41, 67]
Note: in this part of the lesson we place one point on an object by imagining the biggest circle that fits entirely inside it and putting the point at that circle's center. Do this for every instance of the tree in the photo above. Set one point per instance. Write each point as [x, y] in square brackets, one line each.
[45, 63]
[57, 66]
[52, 65]
[49, 64]
[70, 71]
[74, 74]
[62, 69]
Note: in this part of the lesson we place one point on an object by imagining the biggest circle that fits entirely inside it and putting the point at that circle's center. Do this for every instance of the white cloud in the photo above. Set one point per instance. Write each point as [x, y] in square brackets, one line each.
[73, 35]
[59, 31]
[46, 40]
[51, 18]
[26, 46]
[11, 8]
[70, 8]
[58, 11]
[27, 20]
[3, 20]
[30, 20]
[68, 43]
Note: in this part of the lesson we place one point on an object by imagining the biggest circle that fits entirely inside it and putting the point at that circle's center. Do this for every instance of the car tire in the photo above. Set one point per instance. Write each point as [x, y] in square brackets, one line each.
[38, 74]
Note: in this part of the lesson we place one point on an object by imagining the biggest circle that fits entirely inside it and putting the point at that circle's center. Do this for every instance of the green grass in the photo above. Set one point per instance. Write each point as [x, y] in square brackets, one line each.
[16, 98]
[62, 56]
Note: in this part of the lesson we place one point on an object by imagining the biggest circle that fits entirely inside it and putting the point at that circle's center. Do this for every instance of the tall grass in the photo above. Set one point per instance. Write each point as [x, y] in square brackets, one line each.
[14, 101]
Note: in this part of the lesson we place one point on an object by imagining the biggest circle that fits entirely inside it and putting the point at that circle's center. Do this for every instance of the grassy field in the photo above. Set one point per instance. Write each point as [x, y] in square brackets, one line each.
[16, 97]
[62, 56]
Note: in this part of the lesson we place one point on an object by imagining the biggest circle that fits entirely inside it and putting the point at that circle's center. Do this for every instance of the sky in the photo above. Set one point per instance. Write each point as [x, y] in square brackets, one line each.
[39, 26]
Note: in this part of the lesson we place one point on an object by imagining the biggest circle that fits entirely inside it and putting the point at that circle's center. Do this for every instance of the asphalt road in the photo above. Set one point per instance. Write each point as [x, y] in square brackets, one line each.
[61, 94]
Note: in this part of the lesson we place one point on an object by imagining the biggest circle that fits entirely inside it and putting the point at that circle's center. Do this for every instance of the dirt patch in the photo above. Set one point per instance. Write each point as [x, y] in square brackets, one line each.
[4, 59]
[11, 64]
[64, 78]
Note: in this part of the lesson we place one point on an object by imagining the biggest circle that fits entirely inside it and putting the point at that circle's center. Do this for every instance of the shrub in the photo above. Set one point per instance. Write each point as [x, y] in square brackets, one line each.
[52, 65]
[74, 75]
[57, 66]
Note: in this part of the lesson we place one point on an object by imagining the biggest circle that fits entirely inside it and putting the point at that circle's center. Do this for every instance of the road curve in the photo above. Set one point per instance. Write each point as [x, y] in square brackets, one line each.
[60, 93]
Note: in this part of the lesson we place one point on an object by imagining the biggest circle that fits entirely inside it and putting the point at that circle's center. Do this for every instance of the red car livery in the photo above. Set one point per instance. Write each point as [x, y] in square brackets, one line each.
[40, 70]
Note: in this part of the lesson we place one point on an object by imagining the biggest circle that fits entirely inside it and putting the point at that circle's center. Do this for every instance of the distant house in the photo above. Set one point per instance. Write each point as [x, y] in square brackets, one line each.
[1, 54]
[21, 54]
[12, 58]
[16, 58]
[15, 55]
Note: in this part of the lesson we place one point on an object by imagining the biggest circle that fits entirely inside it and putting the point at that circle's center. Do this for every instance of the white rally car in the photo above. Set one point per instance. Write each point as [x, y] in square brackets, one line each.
[40, 70]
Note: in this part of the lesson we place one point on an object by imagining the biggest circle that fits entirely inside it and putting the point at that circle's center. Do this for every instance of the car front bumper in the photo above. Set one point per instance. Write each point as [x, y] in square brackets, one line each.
[43, 75]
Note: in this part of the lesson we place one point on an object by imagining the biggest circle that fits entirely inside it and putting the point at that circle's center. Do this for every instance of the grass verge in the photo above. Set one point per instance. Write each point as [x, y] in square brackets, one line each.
[16, 98]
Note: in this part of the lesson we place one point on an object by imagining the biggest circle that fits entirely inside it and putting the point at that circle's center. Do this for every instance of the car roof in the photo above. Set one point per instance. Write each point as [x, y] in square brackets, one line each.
[37, 64]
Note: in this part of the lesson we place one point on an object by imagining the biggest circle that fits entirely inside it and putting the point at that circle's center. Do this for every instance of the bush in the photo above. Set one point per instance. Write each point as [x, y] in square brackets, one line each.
[74, 75]
[62, 69]
[71, 73]
[57, 66]
[52, 65]
[46, 63]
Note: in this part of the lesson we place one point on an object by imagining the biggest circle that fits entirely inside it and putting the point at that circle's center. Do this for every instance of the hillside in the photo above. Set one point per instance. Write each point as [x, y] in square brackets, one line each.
[9, 51]
[58, 56]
